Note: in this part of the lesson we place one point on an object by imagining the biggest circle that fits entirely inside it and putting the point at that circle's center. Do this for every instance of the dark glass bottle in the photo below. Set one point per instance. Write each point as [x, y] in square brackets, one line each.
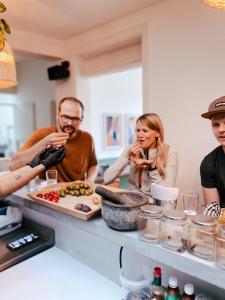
[189, 293]
[173, 292]
[157, 291]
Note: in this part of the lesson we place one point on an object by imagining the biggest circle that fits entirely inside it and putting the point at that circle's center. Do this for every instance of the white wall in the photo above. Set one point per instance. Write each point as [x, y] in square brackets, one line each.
[183, 71]
[6, 115]
[183, 60]
[119, 92]
[35, 87]
[30, 100]
[186, 66]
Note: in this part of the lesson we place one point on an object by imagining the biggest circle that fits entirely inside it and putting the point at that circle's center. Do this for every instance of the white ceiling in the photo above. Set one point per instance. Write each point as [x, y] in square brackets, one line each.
[62, 19]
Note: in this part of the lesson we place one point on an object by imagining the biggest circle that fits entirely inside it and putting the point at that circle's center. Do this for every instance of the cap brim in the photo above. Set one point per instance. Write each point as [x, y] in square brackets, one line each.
[208, 115]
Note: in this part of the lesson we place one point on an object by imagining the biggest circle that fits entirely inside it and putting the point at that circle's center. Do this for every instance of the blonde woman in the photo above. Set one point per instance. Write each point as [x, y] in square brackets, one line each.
[150, 159]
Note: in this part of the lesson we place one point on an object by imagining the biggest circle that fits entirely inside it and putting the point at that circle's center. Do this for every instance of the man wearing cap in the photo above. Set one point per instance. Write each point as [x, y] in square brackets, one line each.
[212, 168]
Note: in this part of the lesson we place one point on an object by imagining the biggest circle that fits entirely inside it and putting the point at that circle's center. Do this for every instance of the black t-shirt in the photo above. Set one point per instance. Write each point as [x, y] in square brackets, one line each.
[212, 171]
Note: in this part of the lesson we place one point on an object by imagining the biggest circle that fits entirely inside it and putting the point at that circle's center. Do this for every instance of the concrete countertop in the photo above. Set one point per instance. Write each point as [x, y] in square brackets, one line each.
[185, 262]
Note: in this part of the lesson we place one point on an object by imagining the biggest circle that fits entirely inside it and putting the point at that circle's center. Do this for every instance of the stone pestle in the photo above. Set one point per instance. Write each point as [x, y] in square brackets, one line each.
[106, 194]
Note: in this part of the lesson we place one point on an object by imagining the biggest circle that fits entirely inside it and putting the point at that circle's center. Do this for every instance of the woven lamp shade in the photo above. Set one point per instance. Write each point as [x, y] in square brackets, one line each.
[215, 3]
[7, 68]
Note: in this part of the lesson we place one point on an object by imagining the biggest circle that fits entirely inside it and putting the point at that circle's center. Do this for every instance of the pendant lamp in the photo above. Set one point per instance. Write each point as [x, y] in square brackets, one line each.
[215, 3]
[7, 68]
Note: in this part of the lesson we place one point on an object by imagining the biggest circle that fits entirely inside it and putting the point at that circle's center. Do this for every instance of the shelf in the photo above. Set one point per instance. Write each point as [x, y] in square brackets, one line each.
[184, 262]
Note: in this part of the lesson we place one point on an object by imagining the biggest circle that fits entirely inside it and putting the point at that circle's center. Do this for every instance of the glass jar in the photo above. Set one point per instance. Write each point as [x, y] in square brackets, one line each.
[201, 237]
[220, 247]
[172, 230]
[148, 223]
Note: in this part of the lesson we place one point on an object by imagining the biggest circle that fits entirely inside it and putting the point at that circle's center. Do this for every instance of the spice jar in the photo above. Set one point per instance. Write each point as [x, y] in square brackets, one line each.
[201, 237]
[220, 247]
[172, 230]
[148, 223]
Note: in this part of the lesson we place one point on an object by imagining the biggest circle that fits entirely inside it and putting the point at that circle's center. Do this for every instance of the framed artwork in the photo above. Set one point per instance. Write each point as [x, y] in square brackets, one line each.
[112, 131]
[130, 123]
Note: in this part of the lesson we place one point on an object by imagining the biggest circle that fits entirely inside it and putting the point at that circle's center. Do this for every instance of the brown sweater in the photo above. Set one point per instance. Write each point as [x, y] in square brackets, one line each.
[80, 154]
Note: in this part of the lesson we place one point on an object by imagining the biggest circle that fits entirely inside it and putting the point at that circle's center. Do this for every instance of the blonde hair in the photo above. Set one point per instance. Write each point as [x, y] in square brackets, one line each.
[154, 122]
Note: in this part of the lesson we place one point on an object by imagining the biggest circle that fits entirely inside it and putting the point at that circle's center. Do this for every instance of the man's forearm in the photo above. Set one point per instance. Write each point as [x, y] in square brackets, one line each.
[12, 181]
[211, 195]
[92, 173]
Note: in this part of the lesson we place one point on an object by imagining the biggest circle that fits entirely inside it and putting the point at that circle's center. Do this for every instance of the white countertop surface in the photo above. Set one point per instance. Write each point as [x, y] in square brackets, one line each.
[55, 275]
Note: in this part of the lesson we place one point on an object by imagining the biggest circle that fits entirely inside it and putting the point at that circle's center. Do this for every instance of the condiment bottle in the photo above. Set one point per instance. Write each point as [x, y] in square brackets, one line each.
[173, 292]
[157, 291]
[188, 292]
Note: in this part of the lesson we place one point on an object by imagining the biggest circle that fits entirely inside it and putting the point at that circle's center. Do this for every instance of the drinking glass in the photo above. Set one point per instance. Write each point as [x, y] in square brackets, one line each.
[190, 203]
[51, 176]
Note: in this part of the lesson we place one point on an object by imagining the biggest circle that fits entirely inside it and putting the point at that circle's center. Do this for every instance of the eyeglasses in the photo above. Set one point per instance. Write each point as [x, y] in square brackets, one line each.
[66, 118]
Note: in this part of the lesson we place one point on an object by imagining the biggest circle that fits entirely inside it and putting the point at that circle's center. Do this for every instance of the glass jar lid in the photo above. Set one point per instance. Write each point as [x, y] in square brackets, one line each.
[153, 210]
[174, 214]
[204, 220]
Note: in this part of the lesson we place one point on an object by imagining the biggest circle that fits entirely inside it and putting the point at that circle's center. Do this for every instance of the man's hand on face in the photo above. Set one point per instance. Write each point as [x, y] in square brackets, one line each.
[56, 139]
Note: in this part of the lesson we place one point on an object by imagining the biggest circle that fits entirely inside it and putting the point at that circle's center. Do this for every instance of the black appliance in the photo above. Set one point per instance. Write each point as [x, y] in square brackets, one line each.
[22, 243]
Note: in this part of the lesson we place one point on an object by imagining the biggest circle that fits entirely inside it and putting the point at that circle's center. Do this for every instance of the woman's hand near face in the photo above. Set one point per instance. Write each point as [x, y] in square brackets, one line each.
[135, 150]
[141, 162]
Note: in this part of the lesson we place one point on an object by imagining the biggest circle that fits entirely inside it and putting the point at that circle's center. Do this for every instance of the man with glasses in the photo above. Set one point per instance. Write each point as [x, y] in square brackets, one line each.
[80, 162]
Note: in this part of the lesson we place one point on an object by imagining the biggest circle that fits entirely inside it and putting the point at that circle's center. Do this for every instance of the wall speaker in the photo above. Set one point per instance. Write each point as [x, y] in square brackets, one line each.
[59, 72]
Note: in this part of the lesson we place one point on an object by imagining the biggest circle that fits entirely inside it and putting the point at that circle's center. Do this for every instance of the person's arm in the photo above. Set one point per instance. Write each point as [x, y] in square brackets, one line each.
[22, 157]
[211, 195]
[117, 167]
[92, 173]
[12, 181]
[208, 182]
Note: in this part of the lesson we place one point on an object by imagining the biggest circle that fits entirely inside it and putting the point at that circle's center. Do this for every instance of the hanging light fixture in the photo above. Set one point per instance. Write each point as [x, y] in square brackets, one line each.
[7, 68]
[7, 62]
[215, 3]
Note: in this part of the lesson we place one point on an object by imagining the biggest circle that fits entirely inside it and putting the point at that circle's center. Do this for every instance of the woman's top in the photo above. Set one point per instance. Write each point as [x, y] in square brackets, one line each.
[142, 180]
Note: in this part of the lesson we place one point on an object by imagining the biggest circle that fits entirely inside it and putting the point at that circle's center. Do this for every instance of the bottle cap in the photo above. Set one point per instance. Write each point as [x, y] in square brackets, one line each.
[157, 271]
[173, 282]
[189, 289]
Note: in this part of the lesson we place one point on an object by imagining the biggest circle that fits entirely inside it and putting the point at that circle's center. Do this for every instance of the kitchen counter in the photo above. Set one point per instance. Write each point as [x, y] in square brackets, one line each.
[89, 241]
[55, 275]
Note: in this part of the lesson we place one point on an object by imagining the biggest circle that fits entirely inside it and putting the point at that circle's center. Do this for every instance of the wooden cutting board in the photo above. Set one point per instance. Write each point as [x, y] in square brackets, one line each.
[66, 204]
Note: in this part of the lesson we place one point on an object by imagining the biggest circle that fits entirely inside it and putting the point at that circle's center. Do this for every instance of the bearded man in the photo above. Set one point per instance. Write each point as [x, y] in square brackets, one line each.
[80, 162]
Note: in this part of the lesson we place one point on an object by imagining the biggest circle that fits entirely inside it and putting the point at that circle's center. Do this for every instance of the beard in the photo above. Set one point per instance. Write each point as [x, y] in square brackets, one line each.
[71, 130]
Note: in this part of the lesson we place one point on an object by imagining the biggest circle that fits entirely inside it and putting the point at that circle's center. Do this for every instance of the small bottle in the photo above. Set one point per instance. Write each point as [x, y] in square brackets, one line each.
[157, 290]
[173, 292]
[189, 293]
